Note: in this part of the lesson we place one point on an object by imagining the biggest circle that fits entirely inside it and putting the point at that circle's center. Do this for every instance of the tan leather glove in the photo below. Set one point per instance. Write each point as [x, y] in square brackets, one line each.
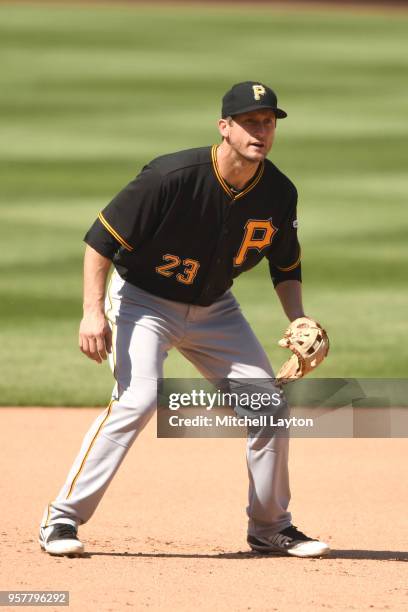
[309, 344]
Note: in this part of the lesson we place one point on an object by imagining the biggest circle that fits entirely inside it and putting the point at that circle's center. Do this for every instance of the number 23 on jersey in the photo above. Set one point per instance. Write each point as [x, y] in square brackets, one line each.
[188, 268]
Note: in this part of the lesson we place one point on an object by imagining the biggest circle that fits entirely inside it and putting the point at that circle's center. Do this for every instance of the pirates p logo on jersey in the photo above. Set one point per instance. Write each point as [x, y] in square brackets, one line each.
[259, 90]
[258, 235]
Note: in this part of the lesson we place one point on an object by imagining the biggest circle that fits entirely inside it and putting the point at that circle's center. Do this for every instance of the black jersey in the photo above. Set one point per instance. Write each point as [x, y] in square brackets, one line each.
[179, 231]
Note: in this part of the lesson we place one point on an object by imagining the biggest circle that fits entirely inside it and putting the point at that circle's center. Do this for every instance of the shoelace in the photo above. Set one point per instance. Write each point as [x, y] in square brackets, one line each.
[293, 532]
[64, 531]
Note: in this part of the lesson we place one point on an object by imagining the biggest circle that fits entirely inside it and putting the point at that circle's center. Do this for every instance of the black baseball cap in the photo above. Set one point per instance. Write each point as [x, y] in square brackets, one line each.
[250, 96]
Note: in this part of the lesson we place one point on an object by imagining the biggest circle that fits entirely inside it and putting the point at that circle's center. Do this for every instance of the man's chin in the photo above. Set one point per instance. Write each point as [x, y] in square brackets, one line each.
[255, 156]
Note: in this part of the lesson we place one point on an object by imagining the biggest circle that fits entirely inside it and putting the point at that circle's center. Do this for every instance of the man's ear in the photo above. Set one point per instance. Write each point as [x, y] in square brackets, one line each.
[223, 127]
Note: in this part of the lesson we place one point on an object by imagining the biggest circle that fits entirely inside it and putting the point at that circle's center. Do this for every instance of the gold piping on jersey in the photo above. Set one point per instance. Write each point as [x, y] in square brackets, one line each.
[293, 266]
[114, 233]
[232, 195]
[89, 449]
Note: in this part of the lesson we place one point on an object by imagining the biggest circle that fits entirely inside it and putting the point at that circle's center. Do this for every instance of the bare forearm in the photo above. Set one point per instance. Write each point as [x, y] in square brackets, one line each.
[95, 336]
[96, 268]
[290, 296]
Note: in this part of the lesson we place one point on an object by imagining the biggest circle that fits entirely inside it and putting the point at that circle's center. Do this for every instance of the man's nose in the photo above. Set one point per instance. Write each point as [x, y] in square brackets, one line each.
[260, 130]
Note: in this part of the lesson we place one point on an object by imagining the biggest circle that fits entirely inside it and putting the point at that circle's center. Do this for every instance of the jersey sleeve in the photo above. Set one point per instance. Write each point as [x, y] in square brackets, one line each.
[101, 240]
[130, 217]
[285, 257]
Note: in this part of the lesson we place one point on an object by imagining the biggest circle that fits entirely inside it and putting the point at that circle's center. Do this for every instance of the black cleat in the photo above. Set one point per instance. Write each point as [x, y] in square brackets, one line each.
[60, 539]
[289, 541]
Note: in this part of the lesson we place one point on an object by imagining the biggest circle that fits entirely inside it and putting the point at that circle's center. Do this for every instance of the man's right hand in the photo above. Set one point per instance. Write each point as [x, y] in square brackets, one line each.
[95, 336]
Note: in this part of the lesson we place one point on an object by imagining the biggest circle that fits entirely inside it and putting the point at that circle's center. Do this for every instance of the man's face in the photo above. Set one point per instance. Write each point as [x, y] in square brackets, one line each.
[250, 134]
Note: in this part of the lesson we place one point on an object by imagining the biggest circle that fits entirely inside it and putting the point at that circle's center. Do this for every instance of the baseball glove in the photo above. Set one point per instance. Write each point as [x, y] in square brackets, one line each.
[309, 344]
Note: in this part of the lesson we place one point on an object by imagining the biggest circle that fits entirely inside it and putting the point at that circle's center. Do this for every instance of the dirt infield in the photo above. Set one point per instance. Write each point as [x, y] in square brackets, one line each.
[170, 532]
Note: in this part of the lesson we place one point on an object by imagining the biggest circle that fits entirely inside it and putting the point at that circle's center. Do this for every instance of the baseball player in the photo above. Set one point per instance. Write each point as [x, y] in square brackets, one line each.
[177, 235]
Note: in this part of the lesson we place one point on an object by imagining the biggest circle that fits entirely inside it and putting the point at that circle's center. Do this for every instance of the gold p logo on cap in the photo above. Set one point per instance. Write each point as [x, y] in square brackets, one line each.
[259, 90]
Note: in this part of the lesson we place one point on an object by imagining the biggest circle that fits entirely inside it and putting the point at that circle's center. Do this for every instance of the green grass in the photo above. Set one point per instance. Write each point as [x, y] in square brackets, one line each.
[88, 95]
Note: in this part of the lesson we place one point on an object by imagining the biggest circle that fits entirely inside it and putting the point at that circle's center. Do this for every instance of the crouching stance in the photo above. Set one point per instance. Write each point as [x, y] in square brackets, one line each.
[177, 236]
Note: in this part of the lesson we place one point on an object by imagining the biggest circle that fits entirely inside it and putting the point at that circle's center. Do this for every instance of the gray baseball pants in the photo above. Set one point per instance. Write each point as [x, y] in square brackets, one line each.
[218, 340]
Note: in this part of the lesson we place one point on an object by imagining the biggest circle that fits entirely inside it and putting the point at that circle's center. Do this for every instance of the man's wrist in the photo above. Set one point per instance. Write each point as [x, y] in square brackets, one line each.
[94, 308]
[296, 315]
